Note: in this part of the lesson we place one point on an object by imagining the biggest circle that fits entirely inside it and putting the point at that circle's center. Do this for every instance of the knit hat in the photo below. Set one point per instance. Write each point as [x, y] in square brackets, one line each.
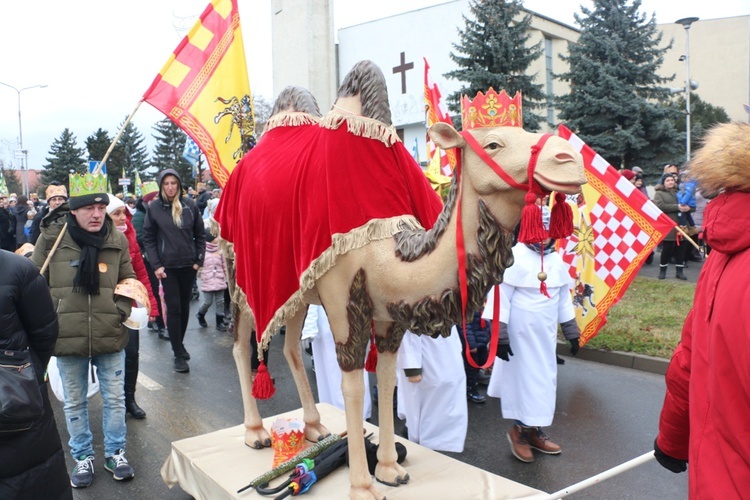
[637, 170]
[114, 203]
[53, 191]
[663, 177]
[628, 174]
[212, 204]
[87, 189]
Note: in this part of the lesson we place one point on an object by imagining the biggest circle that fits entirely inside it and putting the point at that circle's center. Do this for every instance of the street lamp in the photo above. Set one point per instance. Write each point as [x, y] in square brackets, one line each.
[24, 152]
[686, 22]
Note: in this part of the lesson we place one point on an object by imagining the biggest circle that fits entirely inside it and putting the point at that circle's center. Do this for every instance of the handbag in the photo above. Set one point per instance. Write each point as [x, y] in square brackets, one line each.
[21, 401]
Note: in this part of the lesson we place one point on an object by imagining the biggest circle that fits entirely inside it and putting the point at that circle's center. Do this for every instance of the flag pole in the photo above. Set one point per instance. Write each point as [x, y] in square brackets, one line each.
[117, 138]
[688, 238]
[630, 464]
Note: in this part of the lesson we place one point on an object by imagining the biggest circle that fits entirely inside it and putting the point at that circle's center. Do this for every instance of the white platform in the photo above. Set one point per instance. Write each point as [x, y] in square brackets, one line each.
[215, 465]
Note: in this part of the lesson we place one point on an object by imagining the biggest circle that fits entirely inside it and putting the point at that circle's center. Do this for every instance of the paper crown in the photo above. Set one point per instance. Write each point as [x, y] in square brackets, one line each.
[53, 191]
[491, 110]
[149, 187]
[87, 189]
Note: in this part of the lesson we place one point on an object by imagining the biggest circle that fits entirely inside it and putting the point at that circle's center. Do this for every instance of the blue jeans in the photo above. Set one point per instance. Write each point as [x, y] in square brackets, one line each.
[111, 373]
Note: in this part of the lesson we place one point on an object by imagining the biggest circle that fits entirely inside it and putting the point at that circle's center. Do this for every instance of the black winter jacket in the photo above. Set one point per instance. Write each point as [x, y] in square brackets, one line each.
[32, 463]
[168, 245]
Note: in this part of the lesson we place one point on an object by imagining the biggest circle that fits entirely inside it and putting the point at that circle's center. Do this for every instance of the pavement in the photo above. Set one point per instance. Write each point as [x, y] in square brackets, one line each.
[607, 412]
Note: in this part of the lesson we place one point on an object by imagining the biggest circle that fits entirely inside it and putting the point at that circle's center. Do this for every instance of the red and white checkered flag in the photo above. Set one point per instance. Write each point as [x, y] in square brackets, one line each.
[616, 228]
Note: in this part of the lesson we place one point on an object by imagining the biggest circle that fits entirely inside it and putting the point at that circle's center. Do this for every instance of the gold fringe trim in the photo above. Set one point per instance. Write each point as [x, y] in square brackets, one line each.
[293, 119]
[374, 230]
[236, 294]
[362, 126]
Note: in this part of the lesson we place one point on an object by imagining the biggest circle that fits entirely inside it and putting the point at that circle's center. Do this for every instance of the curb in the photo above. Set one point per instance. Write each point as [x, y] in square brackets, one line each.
[641, 362]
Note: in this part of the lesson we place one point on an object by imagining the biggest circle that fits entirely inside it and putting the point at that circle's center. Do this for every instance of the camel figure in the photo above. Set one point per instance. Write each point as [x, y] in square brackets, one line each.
[389, 274]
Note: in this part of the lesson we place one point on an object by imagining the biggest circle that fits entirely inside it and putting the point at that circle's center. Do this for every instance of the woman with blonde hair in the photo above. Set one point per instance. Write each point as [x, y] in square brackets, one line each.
[175, 243]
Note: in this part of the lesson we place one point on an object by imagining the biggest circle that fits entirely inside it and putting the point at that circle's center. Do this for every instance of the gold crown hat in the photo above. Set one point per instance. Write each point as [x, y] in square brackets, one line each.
[149, 190]
[53, 191]
[87, 189]
[491, 110]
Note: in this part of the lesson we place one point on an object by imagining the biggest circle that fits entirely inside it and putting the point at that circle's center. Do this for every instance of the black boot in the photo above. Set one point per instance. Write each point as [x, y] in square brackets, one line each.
[132, 407]
[678, 274]
[220, 323]
[201, 319]
[662, 272]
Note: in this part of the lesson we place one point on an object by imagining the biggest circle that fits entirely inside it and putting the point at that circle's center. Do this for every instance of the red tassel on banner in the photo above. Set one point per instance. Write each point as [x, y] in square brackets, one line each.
[561, 220]
[371, 364]
[532, 228]
[263, 387]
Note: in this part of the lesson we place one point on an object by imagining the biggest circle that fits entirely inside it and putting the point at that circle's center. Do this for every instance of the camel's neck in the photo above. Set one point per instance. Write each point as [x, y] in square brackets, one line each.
[488, 250]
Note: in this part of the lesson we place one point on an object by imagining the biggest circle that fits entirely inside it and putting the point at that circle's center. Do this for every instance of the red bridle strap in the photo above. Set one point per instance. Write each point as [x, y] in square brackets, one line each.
[479, 150]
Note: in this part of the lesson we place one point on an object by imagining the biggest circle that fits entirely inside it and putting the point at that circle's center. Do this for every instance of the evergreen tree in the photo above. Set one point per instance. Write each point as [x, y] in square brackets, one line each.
[617, 103]
[703, 116]
[492, 52]
[65, 156]
[12, 179]
[170, 142]
[135, 153]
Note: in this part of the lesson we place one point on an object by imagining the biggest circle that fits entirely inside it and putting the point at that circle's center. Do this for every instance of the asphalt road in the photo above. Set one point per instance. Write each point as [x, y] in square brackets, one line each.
[605, 415]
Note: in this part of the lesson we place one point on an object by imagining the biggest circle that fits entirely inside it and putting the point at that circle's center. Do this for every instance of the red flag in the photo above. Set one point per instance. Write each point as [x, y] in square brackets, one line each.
[616, 228]
[435, 112]
[205, 90]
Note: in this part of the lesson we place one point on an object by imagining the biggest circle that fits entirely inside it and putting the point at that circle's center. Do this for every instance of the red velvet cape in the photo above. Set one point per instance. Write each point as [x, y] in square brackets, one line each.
[297, 188]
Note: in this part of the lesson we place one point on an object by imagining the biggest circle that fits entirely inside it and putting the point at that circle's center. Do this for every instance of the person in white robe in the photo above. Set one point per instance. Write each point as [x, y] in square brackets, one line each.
[526, 382]
[431, 391]
[327, 371]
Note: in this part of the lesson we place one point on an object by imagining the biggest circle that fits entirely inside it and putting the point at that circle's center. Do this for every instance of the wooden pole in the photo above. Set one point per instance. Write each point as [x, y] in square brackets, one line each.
[54, 248]
[117, 138]
[688, 238]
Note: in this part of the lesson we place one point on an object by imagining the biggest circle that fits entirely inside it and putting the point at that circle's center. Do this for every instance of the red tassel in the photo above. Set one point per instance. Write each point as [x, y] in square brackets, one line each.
[263, 387]
[371, 364]
[532, 227]
[543, 289]
[561, 220]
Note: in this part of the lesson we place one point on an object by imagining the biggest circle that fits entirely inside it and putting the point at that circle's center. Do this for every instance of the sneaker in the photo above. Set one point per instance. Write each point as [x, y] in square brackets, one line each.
[475, 397]
[181, 365]
[118, 465]
[518, 437]
[83, 472]
[539, 441]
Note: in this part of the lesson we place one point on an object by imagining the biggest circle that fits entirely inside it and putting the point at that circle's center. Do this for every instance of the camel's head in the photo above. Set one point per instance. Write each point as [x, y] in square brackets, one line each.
[559, 167]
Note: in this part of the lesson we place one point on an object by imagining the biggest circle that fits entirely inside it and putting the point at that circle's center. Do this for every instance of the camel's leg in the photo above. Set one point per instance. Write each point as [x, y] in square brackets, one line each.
[255, 435]
[388, 471]
[314, 431]
[350, 317]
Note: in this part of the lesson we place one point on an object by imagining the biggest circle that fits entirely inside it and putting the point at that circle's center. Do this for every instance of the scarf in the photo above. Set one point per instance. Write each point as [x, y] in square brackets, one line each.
[87, 276]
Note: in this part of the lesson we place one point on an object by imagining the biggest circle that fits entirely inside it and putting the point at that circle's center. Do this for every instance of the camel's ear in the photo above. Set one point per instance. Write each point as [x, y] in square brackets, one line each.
[446, 136]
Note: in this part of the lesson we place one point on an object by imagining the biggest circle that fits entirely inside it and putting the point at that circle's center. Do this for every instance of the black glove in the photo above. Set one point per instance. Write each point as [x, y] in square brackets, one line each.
[674, 464]
[504, 351]
[574, 346]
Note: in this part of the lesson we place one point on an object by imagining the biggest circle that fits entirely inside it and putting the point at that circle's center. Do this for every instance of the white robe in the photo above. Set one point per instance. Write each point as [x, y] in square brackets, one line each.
[327, 371]
[527, 384]
[435, 408]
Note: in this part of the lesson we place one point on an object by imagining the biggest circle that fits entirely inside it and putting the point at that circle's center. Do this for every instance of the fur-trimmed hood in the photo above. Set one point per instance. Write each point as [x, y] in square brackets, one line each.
[723, 163]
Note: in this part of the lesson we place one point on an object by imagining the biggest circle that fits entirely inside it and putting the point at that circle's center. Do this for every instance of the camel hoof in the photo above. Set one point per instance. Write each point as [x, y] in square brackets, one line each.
[394, 475]
[361, 493]
[257, 439]
[316, 432]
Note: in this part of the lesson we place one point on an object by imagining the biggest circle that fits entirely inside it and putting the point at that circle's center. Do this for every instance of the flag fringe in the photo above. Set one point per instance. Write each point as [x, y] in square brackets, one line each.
[294, 119]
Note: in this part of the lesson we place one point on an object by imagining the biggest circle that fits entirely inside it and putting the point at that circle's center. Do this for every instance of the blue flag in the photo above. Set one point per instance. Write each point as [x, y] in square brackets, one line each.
[192, 154]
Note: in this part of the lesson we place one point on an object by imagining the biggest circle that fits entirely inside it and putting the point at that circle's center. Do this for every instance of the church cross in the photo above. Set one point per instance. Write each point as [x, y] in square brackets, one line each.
[403, 68]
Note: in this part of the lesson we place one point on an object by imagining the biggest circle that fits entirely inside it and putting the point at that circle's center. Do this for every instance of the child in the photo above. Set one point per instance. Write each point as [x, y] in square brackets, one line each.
[213, 276]
[527, 383]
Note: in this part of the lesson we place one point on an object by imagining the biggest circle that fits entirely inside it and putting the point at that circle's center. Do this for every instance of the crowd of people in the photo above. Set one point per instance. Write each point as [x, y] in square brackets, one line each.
[98, 259]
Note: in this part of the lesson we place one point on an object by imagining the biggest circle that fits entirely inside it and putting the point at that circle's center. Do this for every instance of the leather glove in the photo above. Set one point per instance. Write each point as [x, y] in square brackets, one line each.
[574, 346]
[504, 351]
[674, 464]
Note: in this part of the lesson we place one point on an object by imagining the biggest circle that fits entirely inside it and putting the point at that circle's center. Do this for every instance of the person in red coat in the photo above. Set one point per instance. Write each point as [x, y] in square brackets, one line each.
[704, 420]
[121, 217]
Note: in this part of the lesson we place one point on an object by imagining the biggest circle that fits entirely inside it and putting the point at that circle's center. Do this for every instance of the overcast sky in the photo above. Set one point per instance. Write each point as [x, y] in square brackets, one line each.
[97, 58]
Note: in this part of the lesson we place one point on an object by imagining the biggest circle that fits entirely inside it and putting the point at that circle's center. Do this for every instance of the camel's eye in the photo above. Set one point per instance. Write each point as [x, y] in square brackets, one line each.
[493, 146]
